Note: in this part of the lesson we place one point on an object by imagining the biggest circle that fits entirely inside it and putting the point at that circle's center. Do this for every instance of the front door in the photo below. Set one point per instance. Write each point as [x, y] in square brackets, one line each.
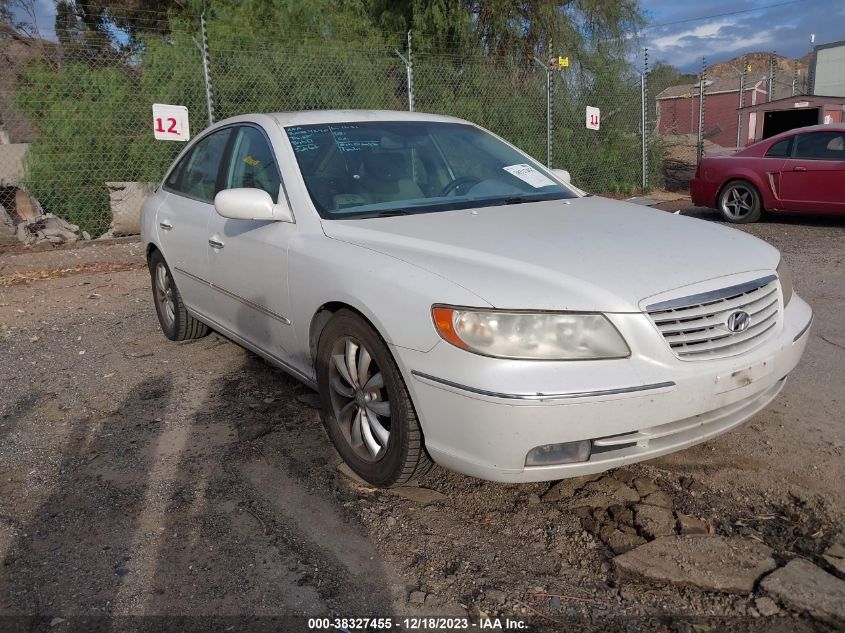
[813, 178]
[248, 258]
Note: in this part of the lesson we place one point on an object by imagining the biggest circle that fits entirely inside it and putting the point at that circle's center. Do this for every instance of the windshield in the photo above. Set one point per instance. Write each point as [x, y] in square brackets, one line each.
[372, 169]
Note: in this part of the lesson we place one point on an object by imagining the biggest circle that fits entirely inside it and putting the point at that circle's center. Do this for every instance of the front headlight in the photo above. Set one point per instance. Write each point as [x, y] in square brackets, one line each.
[785, 277]
[530, 335]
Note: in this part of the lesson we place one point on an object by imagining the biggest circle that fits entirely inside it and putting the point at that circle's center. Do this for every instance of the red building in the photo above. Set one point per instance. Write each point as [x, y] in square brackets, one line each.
[678, 107]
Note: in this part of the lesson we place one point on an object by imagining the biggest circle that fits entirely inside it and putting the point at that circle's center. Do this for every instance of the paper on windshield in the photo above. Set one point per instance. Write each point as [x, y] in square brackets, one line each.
[530, 175]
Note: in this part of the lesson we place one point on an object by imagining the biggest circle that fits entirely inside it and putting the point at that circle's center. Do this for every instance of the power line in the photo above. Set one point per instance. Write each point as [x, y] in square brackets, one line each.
[721, 15]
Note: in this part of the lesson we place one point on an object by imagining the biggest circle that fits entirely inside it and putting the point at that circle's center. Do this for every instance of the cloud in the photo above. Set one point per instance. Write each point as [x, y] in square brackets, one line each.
[784, 29]
[705, 31]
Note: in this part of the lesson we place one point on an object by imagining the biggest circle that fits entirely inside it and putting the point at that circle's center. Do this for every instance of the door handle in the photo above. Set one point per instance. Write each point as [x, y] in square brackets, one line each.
[215, 243]
[165, 225]
[799, 168]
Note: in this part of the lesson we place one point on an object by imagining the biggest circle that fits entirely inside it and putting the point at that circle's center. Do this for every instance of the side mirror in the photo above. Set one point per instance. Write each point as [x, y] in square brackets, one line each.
[563, 175]
[250, 204]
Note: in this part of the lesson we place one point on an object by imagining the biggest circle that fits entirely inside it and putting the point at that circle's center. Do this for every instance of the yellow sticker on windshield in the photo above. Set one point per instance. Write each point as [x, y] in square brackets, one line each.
[249, 160]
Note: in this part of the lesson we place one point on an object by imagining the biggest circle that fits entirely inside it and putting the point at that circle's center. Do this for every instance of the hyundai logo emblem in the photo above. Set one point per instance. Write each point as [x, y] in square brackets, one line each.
[738, 321]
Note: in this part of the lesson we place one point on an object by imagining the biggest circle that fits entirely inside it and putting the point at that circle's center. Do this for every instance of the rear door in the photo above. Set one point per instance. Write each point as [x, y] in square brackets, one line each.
[813, 178]
[183, 217]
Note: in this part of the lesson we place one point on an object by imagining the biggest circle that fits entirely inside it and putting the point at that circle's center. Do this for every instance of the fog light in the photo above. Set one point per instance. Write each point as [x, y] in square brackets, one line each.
[567, 453]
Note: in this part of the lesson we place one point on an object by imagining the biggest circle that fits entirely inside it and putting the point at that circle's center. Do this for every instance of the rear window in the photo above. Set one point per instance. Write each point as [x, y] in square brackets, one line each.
[781, 149]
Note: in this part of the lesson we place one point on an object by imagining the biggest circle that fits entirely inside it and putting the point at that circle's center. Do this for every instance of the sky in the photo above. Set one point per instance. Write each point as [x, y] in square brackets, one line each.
[785, 29]
[713, 28]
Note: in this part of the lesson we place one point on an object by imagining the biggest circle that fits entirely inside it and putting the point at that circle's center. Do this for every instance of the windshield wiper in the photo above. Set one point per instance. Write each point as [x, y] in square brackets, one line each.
[375, 214]
[521, 199]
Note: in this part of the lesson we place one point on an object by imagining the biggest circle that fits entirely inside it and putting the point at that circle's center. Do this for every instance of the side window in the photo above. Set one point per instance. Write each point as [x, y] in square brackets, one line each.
[253, 164]
[196, 173]
[781, 149]
[821, 146]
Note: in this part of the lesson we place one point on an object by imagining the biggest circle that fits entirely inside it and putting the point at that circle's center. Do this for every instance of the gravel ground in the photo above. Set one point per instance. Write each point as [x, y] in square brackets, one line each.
[143, 477]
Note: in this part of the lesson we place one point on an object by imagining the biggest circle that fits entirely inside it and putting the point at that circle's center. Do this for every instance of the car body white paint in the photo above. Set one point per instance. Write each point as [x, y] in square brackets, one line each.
[480, 415]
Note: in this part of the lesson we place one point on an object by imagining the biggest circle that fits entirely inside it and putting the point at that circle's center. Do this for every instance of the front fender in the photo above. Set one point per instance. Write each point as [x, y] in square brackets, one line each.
[395, 296]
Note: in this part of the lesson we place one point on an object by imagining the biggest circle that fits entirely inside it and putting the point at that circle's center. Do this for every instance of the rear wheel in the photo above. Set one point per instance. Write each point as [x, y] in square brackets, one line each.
[175, 321]
[739, 202]
[366, 408]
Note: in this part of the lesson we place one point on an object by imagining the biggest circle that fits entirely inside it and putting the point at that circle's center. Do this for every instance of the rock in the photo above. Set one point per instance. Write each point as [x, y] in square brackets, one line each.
[126, 199]
[592, 501]
[417, 494]
[835, 556]
[613, 488]
[712, 563]
[766, 607]
[621, 514]
[645, 486]
[691, 526]
[659, 498]
[620, 542]
[47, 228]
[654, 521]
[417, 597]
[499, 597]
[804, 587]
[624, 475]
[534, 499]
[567, 488]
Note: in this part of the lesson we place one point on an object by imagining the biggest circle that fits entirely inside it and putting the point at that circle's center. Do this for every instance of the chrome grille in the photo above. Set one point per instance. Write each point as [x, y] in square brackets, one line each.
[696, 326]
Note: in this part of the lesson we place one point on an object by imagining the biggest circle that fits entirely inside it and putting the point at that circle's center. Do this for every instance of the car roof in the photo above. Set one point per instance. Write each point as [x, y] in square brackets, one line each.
[810, 128]
[316, 117]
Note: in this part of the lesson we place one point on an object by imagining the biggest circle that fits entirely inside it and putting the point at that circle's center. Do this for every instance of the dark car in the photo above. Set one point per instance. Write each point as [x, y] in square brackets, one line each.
[802, 171]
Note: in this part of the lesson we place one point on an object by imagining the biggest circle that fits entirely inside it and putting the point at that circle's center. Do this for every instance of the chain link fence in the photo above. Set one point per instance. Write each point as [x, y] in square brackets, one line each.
[77, 142]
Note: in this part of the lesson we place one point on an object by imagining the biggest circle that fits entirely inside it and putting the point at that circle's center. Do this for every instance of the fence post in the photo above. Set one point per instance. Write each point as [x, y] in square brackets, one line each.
[741, 100]
[548, 112]
[771, 86]
[409, 71]
[644, 117]
[699, 152]
[206, 70]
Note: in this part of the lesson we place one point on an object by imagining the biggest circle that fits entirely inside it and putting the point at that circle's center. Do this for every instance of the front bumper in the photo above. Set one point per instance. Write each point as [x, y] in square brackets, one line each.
[481, 416]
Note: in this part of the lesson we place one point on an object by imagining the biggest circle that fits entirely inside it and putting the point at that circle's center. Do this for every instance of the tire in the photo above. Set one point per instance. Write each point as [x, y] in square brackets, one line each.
[739, 202]
[372, 425]
[175, 321]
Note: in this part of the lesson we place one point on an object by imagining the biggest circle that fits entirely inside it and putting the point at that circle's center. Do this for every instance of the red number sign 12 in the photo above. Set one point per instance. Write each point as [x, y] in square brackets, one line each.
[171, 127]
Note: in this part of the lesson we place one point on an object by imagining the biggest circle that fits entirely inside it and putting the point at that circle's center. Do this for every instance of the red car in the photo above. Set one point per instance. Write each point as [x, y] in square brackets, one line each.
[802, 170]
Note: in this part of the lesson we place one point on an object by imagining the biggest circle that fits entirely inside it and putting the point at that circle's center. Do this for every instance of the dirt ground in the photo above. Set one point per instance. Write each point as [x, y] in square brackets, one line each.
[143, 477]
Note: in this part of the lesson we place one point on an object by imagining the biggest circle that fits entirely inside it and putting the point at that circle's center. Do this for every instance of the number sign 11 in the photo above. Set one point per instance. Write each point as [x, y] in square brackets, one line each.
[593, 118]
[170, 122]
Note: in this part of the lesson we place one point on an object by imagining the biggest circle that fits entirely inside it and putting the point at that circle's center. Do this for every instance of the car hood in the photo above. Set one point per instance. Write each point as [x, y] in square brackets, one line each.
[587, 253]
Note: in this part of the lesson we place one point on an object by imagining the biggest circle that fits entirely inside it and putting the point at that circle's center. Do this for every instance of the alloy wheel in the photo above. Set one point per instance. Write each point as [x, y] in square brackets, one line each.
[164, 294]
[359, 399]
[737, 202]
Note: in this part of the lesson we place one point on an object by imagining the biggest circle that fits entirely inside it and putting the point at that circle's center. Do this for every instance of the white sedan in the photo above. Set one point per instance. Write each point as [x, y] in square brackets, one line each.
[455, 302]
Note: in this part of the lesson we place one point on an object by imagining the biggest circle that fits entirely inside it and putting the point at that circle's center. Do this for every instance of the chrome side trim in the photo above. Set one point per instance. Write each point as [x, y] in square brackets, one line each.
[540, 396]
[713, 295]
[804, 329]
[232, 295]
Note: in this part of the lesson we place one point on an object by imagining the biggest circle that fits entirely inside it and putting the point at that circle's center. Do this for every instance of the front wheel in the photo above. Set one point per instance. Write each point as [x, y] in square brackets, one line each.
[739, 202]
[366, 408]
